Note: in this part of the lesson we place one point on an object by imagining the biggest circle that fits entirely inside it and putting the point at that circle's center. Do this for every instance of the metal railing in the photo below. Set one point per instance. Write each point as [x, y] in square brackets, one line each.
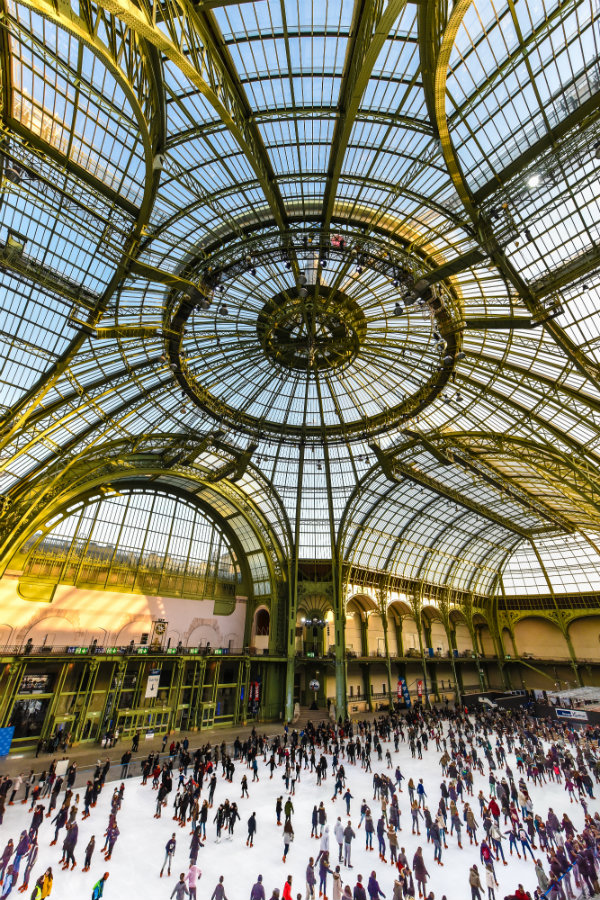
[119, 650]
[551, 893]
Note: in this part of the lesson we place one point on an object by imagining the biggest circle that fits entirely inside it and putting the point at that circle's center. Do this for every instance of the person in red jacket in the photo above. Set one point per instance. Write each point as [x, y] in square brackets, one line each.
[287, 889]
[520, 893]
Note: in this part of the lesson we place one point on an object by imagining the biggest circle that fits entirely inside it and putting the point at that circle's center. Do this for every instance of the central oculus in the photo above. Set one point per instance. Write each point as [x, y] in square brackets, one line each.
[321, 330]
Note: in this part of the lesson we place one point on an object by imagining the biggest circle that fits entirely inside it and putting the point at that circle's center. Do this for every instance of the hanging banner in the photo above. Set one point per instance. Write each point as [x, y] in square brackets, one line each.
[419, 689]
[403, 691]
[579, 715]
[152, 683]
[6, 736]
[254, 692]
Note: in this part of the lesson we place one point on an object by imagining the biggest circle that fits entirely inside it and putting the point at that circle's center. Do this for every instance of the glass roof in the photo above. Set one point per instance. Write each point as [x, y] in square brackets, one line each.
[332, 266]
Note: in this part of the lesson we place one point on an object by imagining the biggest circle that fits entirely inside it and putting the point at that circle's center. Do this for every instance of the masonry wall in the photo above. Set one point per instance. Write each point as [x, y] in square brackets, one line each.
[78, 616]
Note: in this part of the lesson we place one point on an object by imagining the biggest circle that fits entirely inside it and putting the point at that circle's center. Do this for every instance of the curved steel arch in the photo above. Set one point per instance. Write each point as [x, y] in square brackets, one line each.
[151, 476]
[153, 138]
[60, 512]
[587, 367]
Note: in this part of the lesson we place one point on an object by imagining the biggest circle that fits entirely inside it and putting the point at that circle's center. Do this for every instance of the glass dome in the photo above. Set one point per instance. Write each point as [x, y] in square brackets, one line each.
[337, 264]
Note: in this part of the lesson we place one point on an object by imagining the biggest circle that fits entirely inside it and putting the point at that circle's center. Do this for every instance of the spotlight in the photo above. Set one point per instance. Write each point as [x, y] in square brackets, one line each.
[396, 282]
[597, 150]
[223, 310]
[528, 235]
[13, 173]
[16, 243]
[459, 398]
[302, 292]
[460, 355]
[359, 270]
[301, 278]
[288, 265]
[534, 180]
[448, 360]
[398, 309]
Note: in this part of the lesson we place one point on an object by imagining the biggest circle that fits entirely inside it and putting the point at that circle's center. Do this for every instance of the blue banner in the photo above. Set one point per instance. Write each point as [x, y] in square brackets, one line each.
[6, 736]
[404, 688]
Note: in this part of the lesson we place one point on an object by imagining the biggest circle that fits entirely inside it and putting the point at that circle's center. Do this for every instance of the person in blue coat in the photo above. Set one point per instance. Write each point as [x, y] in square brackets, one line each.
[373, 888]
[258, 891]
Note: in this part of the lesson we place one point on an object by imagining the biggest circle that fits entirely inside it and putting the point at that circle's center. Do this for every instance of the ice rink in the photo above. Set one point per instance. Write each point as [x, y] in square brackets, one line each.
[139, 852]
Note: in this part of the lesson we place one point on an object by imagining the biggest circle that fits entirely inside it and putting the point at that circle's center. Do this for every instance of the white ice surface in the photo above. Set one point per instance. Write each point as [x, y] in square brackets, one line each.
[139, 852]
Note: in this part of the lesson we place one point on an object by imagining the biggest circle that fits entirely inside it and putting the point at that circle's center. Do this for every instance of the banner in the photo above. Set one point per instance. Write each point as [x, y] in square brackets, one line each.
[579, 714]
[403, 691]
[152, 683]
[6, 736]
[61, 767]
[420, 689]
[254, 692]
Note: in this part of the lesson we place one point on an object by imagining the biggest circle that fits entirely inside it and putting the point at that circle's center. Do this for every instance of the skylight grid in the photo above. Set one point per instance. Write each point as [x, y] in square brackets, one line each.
[559, 53]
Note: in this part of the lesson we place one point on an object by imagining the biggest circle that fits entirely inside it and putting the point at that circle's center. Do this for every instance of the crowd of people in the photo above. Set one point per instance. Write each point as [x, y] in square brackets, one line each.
[509, 749]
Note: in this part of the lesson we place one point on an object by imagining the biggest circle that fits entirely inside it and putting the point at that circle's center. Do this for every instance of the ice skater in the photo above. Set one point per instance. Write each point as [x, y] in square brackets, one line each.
[170, 847]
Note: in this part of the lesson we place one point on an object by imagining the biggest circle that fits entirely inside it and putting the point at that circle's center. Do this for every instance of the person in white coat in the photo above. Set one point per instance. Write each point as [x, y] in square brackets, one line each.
[338, 830]
[324, 848]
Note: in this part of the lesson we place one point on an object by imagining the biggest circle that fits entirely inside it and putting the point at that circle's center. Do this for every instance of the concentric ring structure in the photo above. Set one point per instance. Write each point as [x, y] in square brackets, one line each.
[329, 268]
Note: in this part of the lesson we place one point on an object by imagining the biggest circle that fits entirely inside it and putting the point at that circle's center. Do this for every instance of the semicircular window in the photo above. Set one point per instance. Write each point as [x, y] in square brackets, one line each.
[136, 541]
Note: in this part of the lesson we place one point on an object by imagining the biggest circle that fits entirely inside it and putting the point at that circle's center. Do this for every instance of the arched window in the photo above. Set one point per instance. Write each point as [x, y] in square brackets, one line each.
[138, 540]
[263, 622]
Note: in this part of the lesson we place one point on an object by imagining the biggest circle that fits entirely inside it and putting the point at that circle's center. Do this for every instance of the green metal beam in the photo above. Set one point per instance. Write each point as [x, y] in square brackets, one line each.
[431, 19]
[47, 278]
[151, 131]
[456, 266]
[73, 168]
[500, 323]
[44, 412]
[398, 468]
[585, 114]
[577, 267]
[588, 368]
[370, 29]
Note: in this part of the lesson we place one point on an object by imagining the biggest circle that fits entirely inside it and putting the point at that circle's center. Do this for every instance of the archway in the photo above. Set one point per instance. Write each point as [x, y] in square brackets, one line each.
[261, 627]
